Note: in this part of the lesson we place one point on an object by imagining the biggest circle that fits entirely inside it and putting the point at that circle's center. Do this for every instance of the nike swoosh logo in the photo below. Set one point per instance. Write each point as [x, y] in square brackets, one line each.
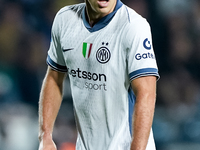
[69, 49]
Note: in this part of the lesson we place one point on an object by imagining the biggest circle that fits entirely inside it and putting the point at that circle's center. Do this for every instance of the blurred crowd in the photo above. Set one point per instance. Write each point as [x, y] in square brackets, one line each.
[25, 29]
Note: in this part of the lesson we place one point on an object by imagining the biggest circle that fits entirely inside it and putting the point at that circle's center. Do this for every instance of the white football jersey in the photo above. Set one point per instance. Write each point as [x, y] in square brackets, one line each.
[101, 62]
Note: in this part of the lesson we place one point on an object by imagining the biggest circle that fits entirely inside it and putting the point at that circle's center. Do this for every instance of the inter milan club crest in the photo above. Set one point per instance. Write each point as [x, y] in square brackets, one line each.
[103, 54]
[87, 47]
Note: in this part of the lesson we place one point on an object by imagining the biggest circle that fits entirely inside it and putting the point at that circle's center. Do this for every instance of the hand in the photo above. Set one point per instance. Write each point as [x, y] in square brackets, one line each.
[47, 144]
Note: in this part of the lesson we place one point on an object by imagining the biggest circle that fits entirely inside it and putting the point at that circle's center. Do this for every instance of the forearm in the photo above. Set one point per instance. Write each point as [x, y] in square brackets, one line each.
[142, 121]
[49, 104]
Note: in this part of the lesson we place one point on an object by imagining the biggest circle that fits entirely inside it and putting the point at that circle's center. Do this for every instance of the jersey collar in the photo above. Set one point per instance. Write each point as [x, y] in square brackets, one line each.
[103, 21]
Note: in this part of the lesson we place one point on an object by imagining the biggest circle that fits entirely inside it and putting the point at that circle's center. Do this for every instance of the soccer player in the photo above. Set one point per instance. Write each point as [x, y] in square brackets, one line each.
[106, 49]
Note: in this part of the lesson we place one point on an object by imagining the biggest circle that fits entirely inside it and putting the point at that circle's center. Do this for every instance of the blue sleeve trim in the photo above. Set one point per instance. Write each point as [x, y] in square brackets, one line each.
[144, 72]
[55, 66]
[131, 100]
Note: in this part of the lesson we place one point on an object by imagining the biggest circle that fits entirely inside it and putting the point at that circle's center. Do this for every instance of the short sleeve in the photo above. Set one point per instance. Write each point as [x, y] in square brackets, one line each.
[140, 54]
[55, 58]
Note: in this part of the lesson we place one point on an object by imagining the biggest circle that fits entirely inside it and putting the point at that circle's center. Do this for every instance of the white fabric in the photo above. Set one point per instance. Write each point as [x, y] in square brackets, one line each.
[100, 83]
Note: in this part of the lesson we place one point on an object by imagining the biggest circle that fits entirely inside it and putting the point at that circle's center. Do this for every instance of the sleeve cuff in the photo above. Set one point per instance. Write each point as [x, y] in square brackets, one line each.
[55, 66]
[144, 72]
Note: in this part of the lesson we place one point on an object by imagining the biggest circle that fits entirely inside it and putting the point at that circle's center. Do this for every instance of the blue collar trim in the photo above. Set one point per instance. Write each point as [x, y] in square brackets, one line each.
[103, 21]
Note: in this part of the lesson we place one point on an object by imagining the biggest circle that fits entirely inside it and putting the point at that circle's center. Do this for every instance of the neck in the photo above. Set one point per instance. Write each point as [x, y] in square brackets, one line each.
[92, 19]
[93, 16]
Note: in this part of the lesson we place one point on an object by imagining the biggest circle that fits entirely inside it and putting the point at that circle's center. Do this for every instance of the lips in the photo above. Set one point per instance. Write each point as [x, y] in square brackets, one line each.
[103, 3]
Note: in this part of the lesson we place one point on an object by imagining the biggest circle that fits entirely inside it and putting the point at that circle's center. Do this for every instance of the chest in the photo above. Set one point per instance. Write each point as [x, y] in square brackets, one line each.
[87, 49]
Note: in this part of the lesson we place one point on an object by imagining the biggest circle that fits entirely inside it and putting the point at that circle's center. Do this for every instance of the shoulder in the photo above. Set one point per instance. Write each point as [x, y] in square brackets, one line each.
[68, 15]
[135, 21]
[71, 9]
[70, 12]
[135, 27]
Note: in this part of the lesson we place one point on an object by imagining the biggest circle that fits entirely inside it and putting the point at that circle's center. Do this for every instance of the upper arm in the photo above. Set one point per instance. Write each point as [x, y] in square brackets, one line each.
[141, 58]
[144, 87]
[55, 76]
[55, 57]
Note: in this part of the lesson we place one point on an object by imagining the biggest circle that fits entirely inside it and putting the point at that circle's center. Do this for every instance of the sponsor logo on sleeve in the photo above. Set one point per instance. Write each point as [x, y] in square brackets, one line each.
[147, 44]
[146, 55]
[139, 56]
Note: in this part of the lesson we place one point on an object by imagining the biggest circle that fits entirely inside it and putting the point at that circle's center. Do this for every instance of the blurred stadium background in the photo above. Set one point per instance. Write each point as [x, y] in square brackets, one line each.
[25, 27]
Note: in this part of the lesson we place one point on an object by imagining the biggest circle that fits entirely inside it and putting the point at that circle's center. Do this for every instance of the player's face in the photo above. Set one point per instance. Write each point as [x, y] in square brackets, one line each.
[100, 8]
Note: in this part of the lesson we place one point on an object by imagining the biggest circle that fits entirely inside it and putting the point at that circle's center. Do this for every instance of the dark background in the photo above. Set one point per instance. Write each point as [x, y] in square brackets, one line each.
[25, 27]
